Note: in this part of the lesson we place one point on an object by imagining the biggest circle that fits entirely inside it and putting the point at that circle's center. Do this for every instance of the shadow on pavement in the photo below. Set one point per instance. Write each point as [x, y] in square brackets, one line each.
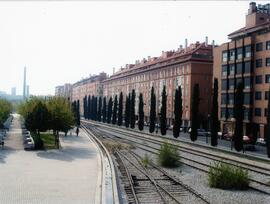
[5, 152]
[68, 154]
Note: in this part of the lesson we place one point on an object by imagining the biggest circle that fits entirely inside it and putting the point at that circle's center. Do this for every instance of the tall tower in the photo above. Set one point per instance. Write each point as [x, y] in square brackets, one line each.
[24, 84]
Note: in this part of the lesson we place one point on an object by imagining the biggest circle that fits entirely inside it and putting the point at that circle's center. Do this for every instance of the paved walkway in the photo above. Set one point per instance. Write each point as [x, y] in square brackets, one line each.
[67, 176]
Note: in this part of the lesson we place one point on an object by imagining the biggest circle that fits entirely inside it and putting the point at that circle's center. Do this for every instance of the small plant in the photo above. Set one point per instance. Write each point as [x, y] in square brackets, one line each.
[168, 155]
[226, 176]
[146, 160]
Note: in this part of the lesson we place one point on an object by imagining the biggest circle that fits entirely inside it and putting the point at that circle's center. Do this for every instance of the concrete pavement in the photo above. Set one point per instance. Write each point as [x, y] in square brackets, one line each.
[69, 175]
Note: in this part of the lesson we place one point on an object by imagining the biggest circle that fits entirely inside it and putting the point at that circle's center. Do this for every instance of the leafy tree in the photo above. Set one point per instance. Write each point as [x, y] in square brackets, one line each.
[115, 104]
[109, 116]
[214, 115]
[239, 116]
[163, 111]
[99, 109]
[5, 110]
[132, 109]
[195, 111]
[127, 111]
[178, 110]
[104, 110]
[89, 105]
[120, 110]
[152, 111]
[267, 136]
[141, 113]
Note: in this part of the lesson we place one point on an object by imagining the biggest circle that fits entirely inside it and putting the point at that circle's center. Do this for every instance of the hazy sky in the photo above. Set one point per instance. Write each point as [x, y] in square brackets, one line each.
[61, 42]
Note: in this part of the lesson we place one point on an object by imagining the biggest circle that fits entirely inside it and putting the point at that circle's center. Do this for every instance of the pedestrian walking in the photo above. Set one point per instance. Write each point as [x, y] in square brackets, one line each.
[77, 131]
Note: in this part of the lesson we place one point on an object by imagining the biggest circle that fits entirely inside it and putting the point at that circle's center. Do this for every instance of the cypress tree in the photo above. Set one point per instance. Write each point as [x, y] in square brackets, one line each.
[239, 116]
[99, 109]
[95, 108]
[109, 115]
[267, 136]
[195, 110]
[92, 116]
[177, 112]
[78, 113]
[84, 107]
[120, 110]
[104, 110]
[163, 112]
[141, 113]
[132, 109]
[89, 108]
[127, 111]
[152, 111]
[214, 115]
[115, 104]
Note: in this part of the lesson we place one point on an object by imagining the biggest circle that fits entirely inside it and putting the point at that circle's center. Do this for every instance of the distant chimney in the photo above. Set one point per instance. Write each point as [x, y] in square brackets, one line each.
[206, 41]
[213, 43]
[186, 43]
[252, 7]
[149, 57]
[113, 70]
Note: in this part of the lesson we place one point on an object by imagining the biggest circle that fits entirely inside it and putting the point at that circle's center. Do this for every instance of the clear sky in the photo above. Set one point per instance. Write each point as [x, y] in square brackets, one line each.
[61, 42]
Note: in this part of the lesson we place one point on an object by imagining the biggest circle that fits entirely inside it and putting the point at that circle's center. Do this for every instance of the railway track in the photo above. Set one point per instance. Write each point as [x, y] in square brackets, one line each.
[146, 144]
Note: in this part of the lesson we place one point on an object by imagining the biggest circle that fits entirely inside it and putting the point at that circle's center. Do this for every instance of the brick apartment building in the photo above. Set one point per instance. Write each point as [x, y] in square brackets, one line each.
[246, 57]
[184, 67]
[64, 91]
[88, 86]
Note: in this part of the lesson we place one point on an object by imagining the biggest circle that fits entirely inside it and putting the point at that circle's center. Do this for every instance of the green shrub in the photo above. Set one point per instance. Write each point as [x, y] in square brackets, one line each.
[168, 155]
[226, 176]
[146, 160]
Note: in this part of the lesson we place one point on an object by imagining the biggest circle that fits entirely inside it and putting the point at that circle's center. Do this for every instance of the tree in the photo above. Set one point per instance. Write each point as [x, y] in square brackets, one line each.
[89, 105]
[127, 111]
[132, 109]
[195, 112]
[239, 116]
[104, 110]
[267, 136]
[99, 109]
[178, 110]
[115, 104]
[92, 116]
[95, 108]
[214, 115]
[152, 111]
[163, 111]
[109, 116]
[84, 107]
[120, 110]
[141, 113]
[5, 109]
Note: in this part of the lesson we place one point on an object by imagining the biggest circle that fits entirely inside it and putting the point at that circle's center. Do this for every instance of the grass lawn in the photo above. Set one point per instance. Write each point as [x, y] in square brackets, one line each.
[47, 138]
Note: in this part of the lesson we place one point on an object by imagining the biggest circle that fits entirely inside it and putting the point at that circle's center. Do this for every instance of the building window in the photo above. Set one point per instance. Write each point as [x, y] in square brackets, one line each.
[248, 51]
[267, 62]
[259, 47]
[258, 79]
[230, 112]
[247, 114]
[224, 70]
[248, 82]
[224, 56]
[239, 52]
[248, 68]
[223, 113]
[231, 98]
[231, 84]
[266, 95]
[258, 95]
[224, 84]
[231, 69]
[267, 45]
[239, 68]
[247, 98]
[258, 112]
[232, 54]
[223, 98]
[267, 78]
[258, 63]
[238, 80]
[265, 112]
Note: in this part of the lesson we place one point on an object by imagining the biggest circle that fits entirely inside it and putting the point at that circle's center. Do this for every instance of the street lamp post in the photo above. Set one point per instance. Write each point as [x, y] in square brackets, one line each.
[233, 127]
[208, 127]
